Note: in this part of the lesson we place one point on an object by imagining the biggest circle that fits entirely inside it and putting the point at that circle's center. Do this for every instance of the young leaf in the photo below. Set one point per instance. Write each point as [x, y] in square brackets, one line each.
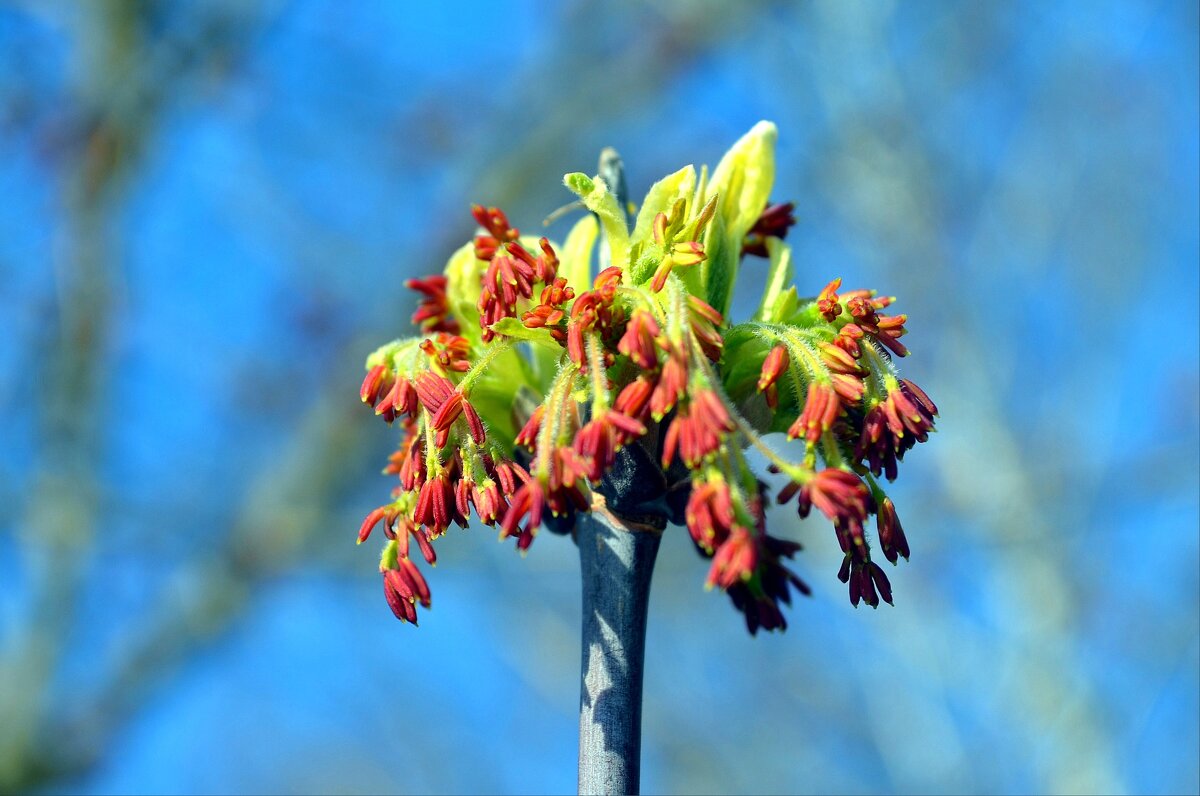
[576, 256]
[512, 327]
[661, 196]
[463, 286]
[597, 198]
[742, 181]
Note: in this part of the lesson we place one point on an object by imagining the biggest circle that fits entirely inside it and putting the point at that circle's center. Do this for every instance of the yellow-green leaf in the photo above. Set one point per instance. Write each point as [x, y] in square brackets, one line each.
[744, 177]
[575, 259]
[463, 285]
[512, 327]
[661, 196]
[742, 182]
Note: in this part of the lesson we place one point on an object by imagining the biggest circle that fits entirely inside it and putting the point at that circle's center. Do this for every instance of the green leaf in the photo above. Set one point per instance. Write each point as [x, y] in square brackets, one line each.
[597, 198]
[779, 278]
[464, 276]
[659, 199]
[717, 272]
[575, 258]
[742, 182]
[744, 177]
[512, 327]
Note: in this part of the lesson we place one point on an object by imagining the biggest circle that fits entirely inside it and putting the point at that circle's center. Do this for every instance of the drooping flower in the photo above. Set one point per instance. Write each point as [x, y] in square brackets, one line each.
[773, 223]
[821, 408]
[433, 313]
[893, 426]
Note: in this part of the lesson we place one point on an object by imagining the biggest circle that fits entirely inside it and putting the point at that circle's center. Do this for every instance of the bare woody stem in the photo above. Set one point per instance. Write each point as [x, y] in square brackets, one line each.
[617, 561]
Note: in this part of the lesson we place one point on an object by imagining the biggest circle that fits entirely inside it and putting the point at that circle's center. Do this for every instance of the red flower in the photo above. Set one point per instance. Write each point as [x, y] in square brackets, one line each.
[704, 321]
[865, 577]
[891, 535]
[840, 495]
[544, 266]
[709, 514]
[591, 311]
[528, 502]
[510, 476]
[735, 560]
[385, 513]
[401, 399]
[528, 435]
[600, 439]
[672, 383]
[847, 339]
[634, 399]
[849, 388]
[496, 223]
[449, 352]
[433, 313]
[403, 587]
[697, 430]
[436, 507]
[773, 223]
[410, 460]
[838, 361]
[451, 409]
[489, 502]
[774, 366]
[378, 382]
[568, 477]
[893, 426]
[827, 301]
[891, 329]
[639, 342]
[549, 313]
[821, 408]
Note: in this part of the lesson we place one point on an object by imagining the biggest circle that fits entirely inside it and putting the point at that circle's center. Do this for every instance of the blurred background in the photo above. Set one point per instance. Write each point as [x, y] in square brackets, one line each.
[209, 209]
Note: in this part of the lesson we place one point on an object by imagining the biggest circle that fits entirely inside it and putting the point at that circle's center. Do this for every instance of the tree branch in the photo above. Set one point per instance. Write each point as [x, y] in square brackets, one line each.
[617, 561]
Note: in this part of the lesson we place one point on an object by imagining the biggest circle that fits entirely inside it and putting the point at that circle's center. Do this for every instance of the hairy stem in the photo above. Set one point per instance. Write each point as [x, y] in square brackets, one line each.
[617, 561]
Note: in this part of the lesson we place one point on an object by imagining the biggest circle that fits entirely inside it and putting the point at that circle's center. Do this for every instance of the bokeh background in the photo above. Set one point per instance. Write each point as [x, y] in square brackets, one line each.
[208, 211]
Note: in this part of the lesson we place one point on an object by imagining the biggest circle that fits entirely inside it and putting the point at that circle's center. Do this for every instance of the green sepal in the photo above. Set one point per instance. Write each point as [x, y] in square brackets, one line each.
[645, 265]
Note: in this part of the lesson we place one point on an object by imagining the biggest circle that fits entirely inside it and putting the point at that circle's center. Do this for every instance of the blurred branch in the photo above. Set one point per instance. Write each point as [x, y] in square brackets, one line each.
[117, 116]
[288, 506]
[879, 142]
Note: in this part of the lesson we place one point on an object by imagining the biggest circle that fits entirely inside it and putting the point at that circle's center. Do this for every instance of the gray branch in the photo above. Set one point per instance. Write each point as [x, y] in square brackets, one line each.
[617, 561]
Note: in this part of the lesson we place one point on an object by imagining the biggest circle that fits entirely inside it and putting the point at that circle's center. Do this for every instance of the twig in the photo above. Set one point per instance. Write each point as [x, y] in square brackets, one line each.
[616, 561]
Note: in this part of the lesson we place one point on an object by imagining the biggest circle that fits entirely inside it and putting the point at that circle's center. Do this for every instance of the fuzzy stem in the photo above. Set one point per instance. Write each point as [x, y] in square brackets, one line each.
[617, 561]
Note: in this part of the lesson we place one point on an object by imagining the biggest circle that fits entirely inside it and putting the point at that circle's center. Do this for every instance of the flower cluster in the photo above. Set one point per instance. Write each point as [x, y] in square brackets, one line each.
[537, 366]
